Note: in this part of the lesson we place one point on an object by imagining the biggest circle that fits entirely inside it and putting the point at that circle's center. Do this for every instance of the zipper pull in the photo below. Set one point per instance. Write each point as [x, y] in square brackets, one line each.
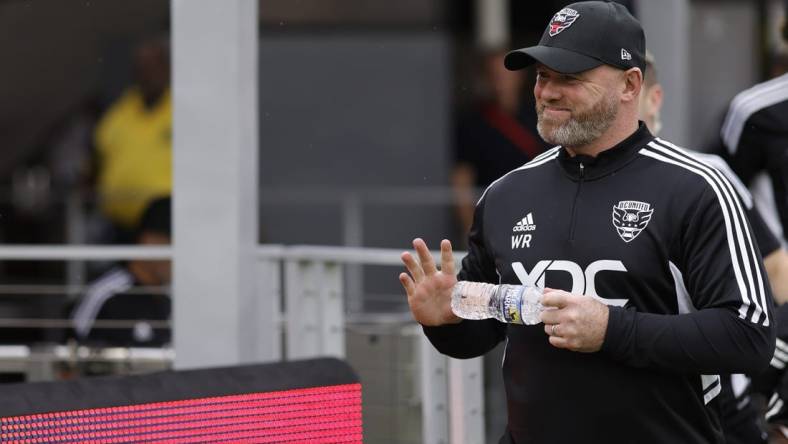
[582, 170]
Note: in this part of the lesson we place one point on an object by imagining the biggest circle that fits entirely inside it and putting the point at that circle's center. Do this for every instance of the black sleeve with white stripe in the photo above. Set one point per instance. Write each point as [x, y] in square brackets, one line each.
[723, 273]
[773, 382]
[766, 240]
[743, 135]
[754, 134]
[776, 410]
[470, 339]
[767, 382]
[759, 151]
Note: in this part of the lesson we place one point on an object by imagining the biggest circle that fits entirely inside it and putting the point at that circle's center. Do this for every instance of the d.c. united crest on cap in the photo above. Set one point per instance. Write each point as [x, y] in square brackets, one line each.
[630, 217]
[562, 20]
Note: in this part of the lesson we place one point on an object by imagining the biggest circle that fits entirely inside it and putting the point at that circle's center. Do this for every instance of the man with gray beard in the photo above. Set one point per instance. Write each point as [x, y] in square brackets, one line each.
[652, 283]
[581, 126]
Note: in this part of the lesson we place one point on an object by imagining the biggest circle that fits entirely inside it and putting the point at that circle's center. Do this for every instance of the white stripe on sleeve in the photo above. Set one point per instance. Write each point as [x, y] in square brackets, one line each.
[735, 225]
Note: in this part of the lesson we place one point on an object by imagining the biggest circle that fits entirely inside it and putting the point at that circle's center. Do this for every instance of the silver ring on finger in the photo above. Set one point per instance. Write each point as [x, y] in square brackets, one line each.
[553, 330]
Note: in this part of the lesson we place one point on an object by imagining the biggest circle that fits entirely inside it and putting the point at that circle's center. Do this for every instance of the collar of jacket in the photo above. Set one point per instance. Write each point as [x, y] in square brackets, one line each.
[607, 161]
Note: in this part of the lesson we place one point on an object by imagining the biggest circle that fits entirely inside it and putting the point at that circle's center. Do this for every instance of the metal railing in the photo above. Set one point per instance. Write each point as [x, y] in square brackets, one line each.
[350, 201]
[42, 362]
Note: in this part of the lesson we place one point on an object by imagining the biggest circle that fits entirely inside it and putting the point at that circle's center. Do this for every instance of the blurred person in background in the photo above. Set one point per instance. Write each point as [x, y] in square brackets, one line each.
[498, 134]
[133, 141]
[116, 294]
[755, 140]
[742, 396]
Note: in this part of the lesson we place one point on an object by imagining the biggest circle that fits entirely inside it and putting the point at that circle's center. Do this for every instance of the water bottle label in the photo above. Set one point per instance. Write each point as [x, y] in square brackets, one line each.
[511, 305]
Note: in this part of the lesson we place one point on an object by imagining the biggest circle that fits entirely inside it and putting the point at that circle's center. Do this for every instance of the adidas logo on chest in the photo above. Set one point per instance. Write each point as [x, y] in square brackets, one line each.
[525, 224]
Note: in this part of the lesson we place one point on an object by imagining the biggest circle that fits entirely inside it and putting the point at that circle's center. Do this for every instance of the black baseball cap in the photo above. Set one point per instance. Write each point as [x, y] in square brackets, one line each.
[583, 36]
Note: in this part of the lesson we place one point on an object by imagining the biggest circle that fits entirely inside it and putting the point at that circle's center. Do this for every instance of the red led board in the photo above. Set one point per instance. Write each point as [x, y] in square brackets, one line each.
[328, 413]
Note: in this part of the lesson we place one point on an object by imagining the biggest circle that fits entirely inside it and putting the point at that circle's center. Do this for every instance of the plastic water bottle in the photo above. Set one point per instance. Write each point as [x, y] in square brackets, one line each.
[514, 304]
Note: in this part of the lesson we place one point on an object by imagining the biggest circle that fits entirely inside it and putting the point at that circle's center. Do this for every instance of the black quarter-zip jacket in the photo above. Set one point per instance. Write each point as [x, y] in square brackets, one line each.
[662, 239]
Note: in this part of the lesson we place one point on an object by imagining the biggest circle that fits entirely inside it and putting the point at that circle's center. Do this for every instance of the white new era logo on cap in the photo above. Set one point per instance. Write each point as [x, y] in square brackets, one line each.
[625, 55]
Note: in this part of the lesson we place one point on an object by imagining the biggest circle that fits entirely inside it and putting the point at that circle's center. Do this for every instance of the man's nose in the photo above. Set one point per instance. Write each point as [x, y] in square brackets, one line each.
[548, 91]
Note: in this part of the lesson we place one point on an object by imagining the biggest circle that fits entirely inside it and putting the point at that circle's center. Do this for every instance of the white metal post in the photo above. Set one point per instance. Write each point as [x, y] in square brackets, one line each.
[315, 310]
[302, 314]
[215, 178]
[262, 312]
[332, 329]
[466, 397]
[435, 396]
[353, 236]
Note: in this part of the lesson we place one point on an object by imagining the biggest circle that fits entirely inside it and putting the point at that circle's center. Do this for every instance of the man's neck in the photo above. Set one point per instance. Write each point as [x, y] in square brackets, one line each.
[612, 137]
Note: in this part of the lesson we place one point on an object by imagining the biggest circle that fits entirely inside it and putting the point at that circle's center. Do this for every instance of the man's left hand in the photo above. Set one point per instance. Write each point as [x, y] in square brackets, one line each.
[574, 322]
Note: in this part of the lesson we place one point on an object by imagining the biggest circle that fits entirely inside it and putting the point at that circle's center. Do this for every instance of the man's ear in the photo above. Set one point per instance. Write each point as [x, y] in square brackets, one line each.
[633, 82]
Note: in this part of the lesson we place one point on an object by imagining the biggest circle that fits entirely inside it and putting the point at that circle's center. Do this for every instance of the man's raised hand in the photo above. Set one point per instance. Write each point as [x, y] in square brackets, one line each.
[429, 289]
